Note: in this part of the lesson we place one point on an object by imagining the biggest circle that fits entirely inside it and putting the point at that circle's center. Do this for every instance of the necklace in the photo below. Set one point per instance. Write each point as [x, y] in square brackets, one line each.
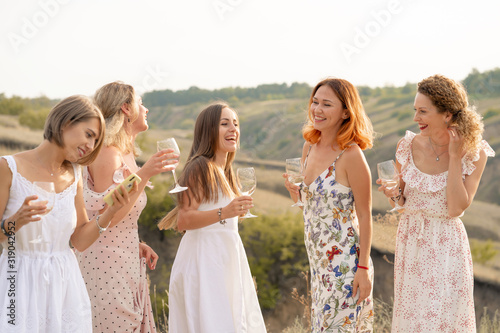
[432, 146]
[51, 172]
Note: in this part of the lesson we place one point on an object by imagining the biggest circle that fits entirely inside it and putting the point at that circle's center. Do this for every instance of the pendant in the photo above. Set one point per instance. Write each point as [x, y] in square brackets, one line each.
[437, 159]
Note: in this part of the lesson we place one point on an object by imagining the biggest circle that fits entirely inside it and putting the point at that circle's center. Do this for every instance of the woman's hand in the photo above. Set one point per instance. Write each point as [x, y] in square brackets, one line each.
[28, 212]
[238, 207]
[120, 200]
[162, 161]
[147, 252]
[455, 148]
[390, 193]
[290, 186]
[363, 283]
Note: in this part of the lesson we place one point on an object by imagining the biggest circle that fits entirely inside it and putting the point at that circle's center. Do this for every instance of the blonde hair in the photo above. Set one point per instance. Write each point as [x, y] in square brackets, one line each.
[356, 128]
[110, 98]
[450, 96]
[200, 174]
[69, 112]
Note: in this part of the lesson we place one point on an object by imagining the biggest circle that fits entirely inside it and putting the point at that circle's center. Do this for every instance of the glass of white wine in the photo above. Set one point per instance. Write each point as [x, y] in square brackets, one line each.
[247, 181]
[295, 172]
[46, 193]
[170, 143]
[388, 174]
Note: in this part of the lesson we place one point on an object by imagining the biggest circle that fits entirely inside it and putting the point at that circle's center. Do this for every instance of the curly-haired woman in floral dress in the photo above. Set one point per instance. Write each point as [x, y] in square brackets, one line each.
[440, 169]
[337, 208]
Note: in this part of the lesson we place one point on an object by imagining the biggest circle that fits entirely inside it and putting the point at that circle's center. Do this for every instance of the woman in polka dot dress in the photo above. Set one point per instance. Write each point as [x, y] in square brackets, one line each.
[440, 172]
[114, 267]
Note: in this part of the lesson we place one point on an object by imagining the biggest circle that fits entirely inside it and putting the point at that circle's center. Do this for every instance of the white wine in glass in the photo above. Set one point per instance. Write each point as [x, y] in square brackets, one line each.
[389, 176]
[46, 193]
[247, 181]
[295, 172]
[170, 143]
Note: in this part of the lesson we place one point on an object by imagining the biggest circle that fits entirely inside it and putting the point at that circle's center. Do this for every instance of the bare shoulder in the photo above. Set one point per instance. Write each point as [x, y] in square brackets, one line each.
[353, 152]
[108, 158]
[4, 168]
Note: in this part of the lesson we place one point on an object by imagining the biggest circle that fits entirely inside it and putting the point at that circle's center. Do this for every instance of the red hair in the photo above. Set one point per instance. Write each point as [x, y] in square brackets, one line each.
[357, 128]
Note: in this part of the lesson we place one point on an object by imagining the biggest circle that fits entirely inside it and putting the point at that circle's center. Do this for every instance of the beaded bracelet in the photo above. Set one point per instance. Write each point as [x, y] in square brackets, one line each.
[396, 198]
[363, 267]
[221, 221]
[101, 229]
[2, 226]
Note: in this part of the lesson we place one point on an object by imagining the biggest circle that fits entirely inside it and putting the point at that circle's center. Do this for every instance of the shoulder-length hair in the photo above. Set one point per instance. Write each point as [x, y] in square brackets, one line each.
[69, 112]
[110, 98]
[357, 128]
[200, 174]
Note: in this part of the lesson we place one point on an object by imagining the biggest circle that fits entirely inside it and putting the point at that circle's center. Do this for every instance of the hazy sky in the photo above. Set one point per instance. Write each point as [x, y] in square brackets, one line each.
[62, 47]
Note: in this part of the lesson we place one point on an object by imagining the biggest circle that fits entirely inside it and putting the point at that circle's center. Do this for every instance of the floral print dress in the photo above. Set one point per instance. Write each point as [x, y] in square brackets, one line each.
[332, 241]
[433, 278]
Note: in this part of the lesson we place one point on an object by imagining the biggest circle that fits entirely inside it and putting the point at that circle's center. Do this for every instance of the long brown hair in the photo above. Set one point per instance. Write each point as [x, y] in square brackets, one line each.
[200, 174]
[356, 128]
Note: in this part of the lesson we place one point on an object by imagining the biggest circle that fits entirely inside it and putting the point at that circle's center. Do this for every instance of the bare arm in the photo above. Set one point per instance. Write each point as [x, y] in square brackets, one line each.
[461, 193]
[87, 232]
[25, 214]
[191, 218]
[358, 174]
[109, 160]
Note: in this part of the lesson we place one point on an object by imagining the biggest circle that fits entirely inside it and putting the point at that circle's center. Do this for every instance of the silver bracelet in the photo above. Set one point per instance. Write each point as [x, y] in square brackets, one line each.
[221, 221]
[101, 229]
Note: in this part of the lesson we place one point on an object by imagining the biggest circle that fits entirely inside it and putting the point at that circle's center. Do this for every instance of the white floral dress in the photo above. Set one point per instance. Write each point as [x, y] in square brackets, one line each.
[332, 242]
[433, 278]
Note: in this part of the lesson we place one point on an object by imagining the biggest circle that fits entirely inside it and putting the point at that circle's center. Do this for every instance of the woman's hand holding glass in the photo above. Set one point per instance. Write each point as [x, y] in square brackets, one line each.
[389, 179]
[163, 160]
[170, 143]
[295, 175]
[247, 181]
[238, 207]
[46, 194]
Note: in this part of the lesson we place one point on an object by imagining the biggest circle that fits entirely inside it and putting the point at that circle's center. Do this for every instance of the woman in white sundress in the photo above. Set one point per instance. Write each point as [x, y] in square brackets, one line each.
[46, 292]
[440, 168]
[211, 287]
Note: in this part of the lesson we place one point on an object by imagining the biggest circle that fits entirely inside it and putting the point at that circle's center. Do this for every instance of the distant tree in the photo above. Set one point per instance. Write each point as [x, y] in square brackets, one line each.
[12, 106]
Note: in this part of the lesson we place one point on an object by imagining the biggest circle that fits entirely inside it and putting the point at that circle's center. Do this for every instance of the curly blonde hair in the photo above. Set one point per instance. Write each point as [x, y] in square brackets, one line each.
[450, 96]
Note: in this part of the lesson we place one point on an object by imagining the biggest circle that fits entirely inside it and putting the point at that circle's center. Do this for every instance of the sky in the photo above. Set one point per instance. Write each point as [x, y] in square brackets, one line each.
[58, 48]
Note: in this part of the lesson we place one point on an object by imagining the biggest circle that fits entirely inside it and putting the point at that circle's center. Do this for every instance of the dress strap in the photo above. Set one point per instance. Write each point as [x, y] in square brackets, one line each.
[305, 161]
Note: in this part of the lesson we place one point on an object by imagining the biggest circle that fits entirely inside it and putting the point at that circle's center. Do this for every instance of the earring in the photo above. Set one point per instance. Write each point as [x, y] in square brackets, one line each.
[128, 120]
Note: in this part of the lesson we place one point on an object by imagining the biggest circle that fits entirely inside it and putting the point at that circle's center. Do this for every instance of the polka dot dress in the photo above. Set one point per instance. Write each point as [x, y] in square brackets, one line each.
[114, 274]
[433, 278]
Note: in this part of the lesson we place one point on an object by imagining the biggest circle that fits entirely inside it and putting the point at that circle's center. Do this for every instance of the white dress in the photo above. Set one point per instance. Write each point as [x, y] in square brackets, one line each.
[47, 288]
[211, 287]
[433, 278]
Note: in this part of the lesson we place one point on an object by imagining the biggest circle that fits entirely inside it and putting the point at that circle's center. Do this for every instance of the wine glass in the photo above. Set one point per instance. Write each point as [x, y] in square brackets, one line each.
[294, 169]
[172, 144]
[248, 182]
[46, 193]
[388, 174]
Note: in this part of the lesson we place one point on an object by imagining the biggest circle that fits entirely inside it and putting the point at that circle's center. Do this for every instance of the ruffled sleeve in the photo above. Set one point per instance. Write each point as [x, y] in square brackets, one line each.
[403, 154]
[411, 175]
[468, 160]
